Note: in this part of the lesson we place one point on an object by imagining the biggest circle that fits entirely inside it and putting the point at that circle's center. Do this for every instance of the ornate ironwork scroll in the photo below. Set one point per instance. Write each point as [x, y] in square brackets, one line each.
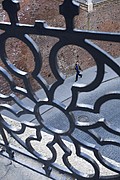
[69, 9]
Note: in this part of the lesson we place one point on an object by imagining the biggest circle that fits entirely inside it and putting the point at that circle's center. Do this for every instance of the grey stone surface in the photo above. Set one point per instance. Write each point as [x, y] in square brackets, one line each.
[93, 1]
[88, 76]
[10, 170]
[109, 110]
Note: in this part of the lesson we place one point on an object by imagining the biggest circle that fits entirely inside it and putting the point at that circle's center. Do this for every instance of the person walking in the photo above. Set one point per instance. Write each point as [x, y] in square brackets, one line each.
[78, 69]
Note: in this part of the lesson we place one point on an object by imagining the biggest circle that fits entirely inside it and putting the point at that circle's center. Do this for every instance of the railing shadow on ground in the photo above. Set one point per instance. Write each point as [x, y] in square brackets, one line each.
[70, 144]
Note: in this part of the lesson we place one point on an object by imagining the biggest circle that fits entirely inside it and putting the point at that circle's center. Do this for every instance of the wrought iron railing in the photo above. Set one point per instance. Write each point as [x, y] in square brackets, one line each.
[82, 149]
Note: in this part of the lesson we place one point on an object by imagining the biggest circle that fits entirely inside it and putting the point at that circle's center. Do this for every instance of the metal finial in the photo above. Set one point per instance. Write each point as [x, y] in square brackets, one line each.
[11, 7]
[69, 9]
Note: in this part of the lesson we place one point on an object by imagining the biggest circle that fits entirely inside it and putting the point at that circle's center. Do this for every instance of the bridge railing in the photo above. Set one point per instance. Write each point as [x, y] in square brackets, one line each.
[27, 143]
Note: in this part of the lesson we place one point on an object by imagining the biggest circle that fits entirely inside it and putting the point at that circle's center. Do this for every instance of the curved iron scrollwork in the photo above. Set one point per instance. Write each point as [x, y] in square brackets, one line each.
[69, 9]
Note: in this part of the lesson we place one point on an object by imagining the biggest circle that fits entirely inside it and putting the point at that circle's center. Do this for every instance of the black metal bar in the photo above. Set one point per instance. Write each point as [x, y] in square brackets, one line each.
[67, 36]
